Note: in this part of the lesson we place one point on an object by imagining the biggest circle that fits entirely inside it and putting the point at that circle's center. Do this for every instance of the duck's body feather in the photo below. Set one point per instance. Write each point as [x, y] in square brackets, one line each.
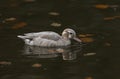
[44, 39]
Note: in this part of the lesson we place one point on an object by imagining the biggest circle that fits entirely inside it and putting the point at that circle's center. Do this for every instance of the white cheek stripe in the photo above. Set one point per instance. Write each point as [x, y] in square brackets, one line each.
[64, 32]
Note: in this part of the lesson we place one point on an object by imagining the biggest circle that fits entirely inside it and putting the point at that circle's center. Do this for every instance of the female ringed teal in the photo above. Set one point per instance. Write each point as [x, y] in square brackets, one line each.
[49, 38]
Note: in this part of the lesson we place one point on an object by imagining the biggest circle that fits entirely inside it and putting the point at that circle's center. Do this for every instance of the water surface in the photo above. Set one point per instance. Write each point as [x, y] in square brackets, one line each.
[99, 28]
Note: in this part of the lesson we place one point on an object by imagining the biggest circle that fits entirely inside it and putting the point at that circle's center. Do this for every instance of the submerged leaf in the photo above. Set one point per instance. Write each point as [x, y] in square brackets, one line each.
[107, 44]
[19, 25]
[5, 63]
[37, 65]
[116, 17]
[111, 18]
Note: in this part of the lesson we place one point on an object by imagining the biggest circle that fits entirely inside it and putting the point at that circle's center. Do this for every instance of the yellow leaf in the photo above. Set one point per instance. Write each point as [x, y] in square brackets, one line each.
[82, 35]
[86, 35]
[101, 6]
[87, 39]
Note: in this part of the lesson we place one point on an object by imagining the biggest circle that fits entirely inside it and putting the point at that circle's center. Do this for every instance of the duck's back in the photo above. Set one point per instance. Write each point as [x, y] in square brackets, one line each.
[46, 34]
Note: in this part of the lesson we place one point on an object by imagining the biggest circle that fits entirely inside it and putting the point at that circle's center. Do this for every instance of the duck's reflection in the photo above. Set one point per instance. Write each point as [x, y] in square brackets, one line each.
[41, 52]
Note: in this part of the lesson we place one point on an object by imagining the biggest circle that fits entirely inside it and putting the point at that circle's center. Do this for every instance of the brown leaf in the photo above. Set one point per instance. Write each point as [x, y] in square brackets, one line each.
[101, 6]
[19, 25]
[107, 44]
[86, 35]
[5, 63]
[29, 0]
[14, 5]
[87, 39]
[37, 65]
[88, 77]
[109, 18]
[117, 16]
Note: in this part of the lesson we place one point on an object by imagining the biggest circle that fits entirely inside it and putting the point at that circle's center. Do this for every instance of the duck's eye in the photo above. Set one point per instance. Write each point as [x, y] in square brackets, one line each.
[71, 33]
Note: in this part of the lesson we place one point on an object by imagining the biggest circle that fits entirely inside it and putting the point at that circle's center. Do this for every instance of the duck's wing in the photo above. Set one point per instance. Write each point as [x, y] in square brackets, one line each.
[49, 35]
[44, 35]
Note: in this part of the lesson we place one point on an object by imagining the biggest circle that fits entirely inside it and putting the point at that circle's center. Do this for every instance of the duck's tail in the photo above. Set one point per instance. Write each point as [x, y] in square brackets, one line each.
[26, 39]
[22, 37]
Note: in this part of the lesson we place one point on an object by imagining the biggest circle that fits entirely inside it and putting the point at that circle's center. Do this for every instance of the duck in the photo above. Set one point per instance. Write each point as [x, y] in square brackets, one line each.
[49, 38]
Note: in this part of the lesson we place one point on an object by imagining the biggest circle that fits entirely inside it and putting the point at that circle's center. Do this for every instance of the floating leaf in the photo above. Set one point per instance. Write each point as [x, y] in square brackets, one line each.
[29, 0]
[107, 44]
[86, 35]
[54, 13]
[82, 35]
[89, 77]
[87, 39]
[89, 54]
[14, 4]
[89, 34]
[37, 65]
[30, 13]
[101, 6]
[19, 25]
[109, 18]
[117, 16]
[5, 63]
[10, 19]
[55, 24]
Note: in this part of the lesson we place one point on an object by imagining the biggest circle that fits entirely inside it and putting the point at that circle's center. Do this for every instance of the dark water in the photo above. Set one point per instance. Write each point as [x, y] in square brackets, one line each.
[99, 59]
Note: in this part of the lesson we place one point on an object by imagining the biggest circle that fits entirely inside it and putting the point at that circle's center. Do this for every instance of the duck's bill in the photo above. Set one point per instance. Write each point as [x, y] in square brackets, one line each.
[77, 39]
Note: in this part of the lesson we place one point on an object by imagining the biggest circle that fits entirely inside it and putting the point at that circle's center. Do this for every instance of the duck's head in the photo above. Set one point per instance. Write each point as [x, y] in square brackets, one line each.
[70, 34]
